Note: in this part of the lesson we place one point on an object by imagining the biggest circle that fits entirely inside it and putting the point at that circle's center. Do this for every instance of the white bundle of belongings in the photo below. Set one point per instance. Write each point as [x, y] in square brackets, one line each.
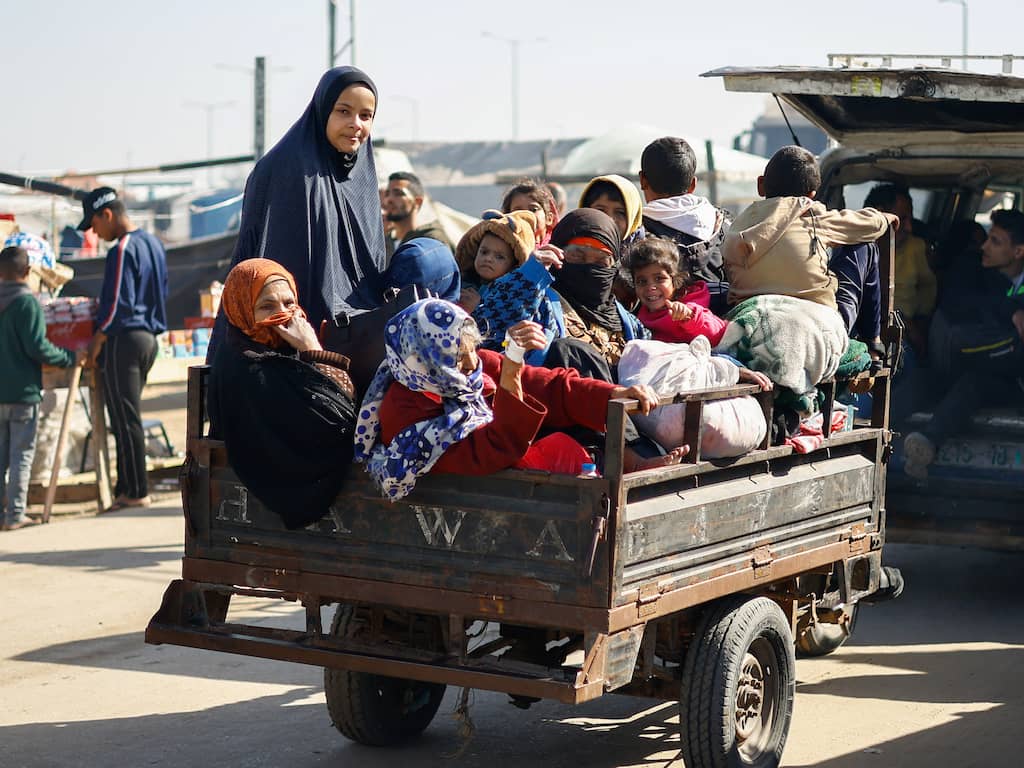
[731, 427]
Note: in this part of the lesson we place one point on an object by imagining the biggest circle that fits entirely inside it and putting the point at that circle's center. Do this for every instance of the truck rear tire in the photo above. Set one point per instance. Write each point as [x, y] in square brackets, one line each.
[371, 709]
[739, 680]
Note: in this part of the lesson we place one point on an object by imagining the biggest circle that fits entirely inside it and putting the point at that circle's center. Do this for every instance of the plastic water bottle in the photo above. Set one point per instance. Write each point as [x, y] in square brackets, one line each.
[589, 470]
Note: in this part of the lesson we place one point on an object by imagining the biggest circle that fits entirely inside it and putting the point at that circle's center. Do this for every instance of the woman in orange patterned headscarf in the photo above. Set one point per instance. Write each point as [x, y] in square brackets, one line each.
[283, 405]
[259, 298]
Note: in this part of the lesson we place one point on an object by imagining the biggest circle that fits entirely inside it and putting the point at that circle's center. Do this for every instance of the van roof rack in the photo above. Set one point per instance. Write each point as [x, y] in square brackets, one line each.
[944, 60]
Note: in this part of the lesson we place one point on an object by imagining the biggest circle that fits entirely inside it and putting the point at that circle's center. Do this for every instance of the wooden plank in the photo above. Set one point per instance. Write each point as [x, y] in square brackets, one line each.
[763, 504]
[524, 531]
[705, 468]
[101, 460]
[62, 438]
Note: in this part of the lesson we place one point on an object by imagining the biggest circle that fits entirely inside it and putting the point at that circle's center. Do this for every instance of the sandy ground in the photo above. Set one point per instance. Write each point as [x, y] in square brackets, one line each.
[933, 679]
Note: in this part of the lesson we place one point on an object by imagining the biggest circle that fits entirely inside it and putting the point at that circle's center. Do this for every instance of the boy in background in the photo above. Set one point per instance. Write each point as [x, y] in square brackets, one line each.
[132, 312]
[672, 209]
[24, 349]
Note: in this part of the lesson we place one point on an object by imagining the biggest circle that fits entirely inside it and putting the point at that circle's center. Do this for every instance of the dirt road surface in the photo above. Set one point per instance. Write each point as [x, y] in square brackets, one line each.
[933, 679]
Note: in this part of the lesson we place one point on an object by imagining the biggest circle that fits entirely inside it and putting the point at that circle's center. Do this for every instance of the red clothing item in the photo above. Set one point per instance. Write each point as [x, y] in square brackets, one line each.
[704, 322]
[554, 398]
[697, 293]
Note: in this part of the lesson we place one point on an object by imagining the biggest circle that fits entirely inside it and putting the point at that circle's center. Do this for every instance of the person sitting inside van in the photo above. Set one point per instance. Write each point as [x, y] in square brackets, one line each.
[914, 281]
[779, 245]
[977, 345]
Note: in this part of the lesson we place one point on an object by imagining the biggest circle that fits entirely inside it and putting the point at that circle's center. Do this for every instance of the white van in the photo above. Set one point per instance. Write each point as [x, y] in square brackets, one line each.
[956, 140]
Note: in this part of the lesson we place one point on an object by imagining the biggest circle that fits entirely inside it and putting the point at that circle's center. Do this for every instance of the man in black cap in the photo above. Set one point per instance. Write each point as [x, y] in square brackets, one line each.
[131, 313]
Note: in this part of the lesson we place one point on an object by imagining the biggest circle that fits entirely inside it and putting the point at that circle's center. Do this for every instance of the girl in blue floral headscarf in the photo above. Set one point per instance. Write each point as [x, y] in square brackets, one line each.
[423, 344]
[437, 403]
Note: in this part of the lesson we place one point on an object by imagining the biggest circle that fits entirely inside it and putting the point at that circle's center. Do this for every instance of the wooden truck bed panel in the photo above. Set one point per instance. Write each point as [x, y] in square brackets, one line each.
[667, 534]
[525, 534]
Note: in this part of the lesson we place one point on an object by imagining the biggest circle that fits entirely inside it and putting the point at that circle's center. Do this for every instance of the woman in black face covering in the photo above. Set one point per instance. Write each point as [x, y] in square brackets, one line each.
[311, 204]
[597, 327]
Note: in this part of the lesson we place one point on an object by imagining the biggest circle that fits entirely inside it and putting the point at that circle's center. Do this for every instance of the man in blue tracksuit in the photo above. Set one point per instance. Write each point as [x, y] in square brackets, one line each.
[131, 313]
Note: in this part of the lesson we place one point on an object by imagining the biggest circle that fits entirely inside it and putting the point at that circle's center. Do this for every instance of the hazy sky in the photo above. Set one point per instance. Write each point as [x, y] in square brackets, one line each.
[100, 85]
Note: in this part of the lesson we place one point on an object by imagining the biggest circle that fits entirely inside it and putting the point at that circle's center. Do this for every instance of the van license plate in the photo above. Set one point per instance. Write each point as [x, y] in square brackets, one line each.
[982, 454]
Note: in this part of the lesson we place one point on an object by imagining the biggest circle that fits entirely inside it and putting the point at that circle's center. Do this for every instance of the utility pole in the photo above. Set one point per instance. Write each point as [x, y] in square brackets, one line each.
[513, 45]
[258, 72]
[963, 26]
[259, 107]
[332, 51]
[209, 107]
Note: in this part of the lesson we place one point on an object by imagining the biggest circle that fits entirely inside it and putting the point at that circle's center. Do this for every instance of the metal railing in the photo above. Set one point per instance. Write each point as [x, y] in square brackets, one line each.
[944, 60]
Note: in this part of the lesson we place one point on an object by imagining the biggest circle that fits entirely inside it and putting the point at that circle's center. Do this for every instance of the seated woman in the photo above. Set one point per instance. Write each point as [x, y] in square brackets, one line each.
[619, 198]
[283, 406]
[597, 326]
[439, 404]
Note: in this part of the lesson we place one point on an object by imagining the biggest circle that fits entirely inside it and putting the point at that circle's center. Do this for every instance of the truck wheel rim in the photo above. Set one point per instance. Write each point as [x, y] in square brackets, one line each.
[755, 699]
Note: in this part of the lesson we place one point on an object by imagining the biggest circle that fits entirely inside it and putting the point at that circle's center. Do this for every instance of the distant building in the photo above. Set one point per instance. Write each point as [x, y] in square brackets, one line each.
[769, 133]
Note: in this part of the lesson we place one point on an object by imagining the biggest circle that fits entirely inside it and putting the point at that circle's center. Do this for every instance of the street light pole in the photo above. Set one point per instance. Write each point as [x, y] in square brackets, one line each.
[258, 72]
[210, 107]
[963, 26]
[414, 105]
[513, 45]
[332, 52]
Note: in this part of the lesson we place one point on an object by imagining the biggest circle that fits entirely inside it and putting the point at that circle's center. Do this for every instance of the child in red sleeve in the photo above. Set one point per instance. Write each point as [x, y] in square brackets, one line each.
[439, 404]
[672, 306]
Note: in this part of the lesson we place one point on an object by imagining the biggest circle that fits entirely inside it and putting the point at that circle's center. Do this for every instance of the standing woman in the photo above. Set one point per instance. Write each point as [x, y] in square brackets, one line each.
[311, 204]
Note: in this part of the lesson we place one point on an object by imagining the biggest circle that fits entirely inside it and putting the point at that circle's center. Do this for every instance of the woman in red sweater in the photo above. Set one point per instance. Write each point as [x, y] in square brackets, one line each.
[439, 404]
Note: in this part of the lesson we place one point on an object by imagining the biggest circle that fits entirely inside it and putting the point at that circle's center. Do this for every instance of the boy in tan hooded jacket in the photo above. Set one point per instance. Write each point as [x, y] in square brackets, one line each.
[778, 245]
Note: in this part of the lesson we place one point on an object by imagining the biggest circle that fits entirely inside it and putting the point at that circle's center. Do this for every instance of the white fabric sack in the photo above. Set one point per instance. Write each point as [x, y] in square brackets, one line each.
[730, 427]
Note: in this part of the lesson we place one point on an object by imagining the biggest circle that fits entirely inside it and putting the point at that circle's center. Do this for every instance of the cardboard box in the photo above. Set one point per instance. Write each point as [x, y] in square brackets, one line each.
[72, 335]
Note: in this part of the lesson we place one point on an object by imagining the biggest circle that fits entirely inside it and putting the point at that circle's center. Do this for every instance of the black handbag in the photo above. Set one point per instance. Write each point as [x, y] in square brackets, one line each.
[360, 337]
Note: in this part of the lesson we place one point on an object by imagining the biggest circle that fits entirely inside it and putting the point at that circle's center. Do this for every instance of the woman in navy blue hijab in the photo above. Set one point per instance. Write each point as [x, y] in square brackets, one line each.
[312, 205]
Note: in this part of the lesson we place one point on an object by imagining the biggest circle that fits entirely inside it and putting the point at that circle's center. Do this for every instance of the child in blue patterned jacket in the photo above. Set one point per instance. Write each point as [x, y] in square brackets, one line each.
[506, 281]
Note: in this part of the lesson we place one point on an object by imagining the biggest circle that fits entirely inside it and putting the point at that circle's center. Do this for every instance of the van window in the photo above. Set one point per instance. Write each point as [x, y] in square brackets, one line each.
[996, 198]
[854, 195]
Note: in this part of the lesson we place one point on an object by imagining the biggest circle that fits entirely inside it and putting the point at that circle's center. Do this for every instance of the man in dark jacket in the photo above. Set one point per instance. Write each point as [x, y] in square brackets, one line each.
[402, 203]
[131, 314]
[23, 351]
[977, 344]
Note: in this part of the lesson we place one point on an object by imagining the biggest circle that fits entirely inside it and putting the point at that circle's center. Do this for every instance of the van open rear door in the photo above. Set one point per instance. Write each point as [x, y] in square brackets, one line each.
[877, 107]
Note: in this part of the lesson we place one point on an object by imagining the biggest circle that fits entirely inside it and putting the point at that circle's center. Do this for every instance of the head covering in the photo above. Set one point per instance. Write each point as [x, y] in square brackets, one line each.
[422, 352]
[515, 228]
[317, 210]
[690, 214]
[428, 264]
[630, 196]
[588, 287]
[241, 289]
[94, 202]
